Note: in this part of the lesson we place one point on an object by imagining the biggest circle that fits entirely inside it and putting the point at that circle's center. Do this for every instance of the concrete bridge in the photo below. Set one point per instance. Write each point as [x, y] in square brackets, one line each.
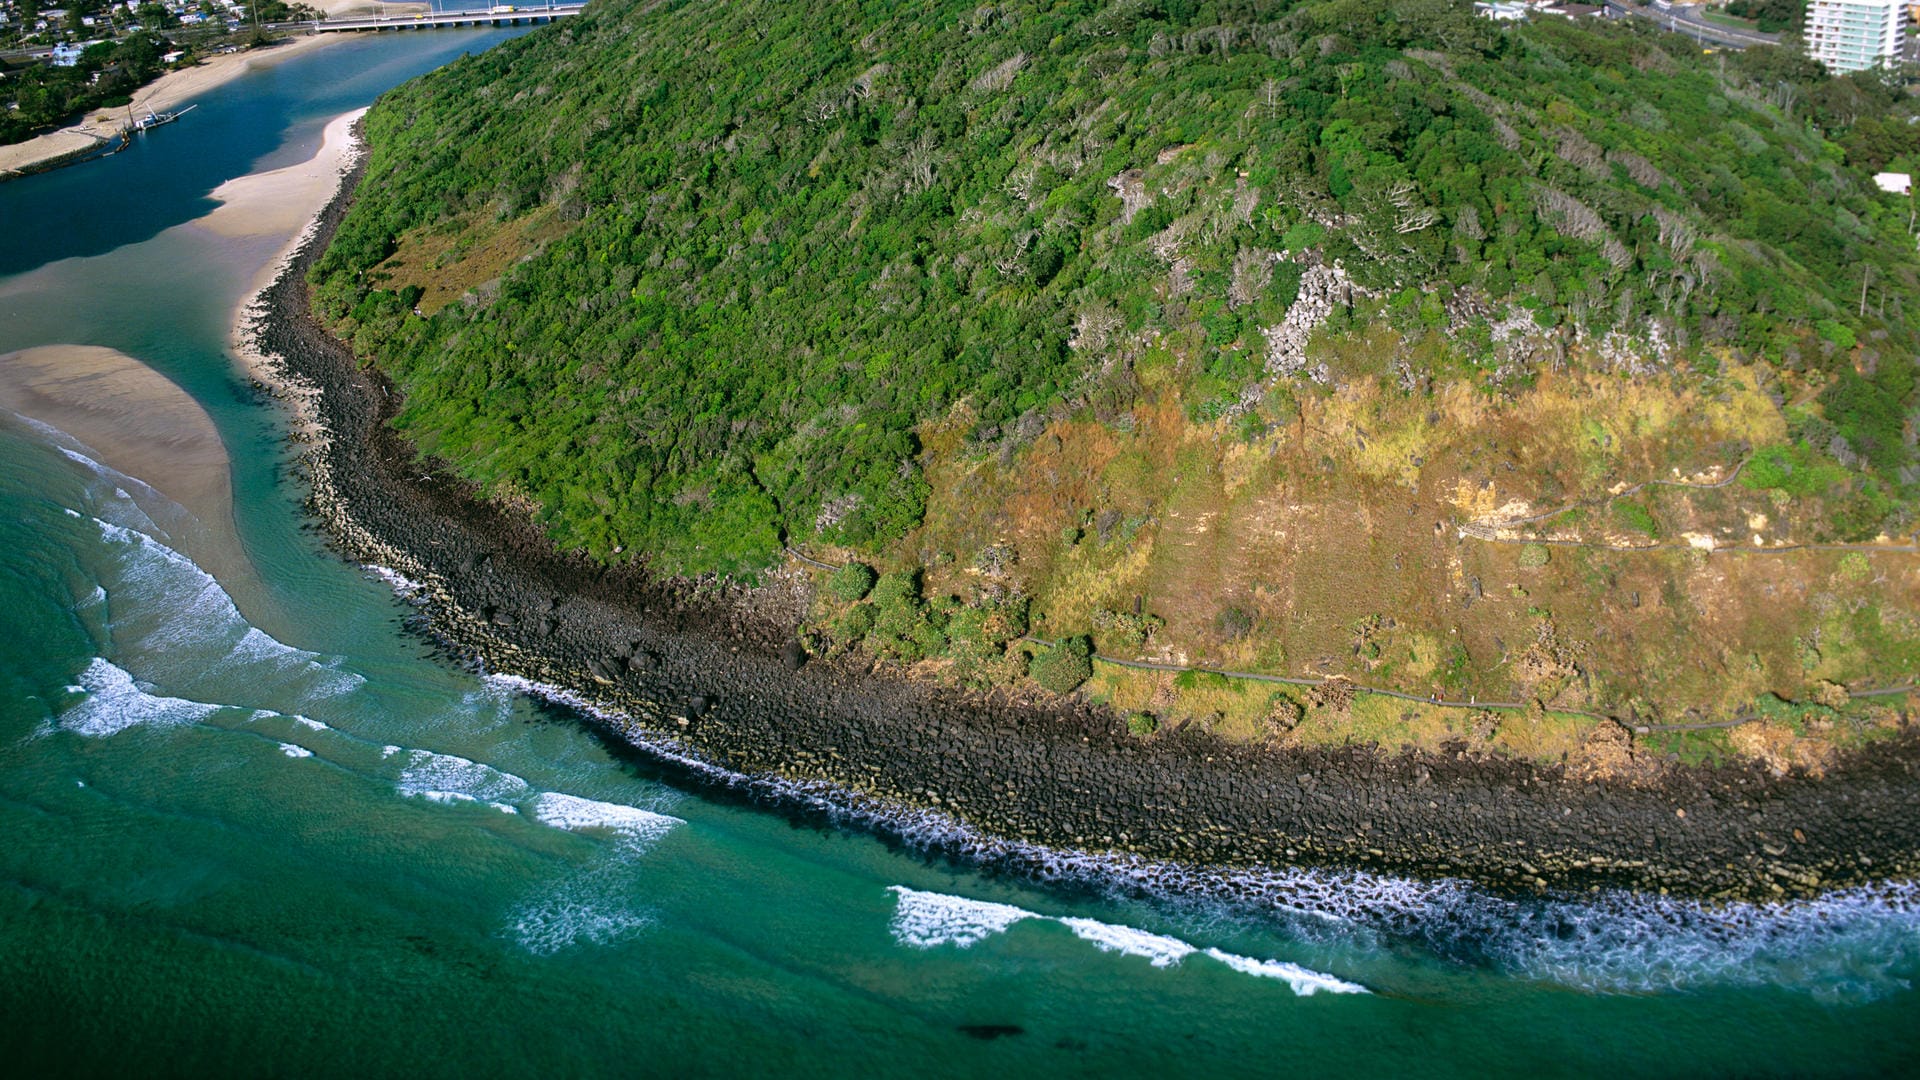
[491, 15]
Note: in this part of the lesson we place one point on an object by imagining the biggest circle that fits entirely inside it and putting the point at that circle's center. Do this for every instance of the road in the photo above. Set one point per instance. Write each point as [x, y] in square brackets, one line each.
[1686, 19]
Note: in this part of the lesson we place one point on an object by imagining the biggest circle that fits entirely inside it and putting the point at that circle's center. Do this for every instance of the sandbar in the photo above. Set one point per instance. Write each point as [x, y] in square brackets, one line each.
[132, 417]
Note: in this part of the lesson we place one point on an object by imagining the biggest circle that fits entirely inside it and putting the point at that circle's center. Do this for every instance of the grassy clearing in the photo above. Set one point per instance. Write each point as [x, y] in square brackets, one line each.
[1327, 539]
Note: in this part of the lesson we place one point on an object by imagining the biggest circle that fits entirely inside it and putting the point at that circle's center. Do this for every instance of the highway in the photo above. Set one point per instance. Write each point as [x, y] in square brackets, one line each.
[1686, 19]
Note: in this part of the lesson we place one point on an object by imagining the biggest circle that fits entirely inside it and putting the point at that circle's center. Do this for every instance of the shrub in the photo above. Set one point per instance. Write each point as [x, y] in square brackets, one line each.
[1834, 332]
[904, 628]
[1636, 517]
[1283, 715]
[1233, 623]
[1123, 631]
[1142, 724]
[1533, 556]
[852, 582]
[1196, 679]
[855, 624]
[1064, 667]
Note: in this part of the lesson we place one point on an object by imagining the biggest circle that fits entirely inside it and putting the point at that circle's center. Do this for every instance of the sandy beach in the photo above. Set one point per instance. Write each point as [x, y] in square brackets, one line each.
[285, 202]
[170, 91]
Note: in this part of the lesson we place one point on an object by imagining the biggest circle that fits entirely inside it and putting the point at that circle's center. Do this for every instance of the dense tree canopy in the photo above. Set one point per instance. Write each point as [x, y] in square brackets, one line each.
[741, 252]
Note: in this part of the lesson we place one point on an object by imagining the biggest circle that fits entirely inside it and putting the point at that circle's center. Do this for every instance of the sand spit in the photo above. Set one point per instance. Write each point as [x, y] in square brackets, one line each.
[285, 202]
[135, 421]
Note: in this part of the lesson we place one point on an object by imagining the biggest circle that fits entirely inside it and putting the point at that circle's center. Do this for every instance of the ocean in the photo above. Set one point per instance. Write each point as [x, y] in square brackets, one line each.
[254, 822]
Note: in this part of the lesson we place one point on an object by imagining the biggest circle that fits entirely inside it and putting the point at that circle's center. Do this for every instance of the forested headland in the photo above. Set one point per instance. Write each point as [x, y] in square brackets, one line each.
[1556, 362]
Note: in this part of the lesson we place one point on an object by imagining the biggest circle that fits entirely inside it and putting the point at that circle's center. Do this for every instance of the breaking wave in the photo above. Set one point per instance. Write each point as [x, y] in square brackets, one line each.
[925, 920]
[1856, 944]
[575, 814]
[115, 702]
[174, 608]
[452, 778]
[593, 906]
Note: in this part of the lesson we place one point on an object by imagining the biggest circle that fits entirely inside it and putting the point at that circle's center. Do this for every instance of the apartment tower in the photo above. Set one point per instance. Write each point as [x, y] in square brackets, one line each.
[1853, 35]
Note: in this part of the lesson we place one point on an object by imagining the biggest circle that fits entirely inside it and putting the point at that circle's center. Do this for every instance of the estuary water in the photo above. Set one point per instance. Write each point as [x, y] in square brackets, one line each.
[251, 822]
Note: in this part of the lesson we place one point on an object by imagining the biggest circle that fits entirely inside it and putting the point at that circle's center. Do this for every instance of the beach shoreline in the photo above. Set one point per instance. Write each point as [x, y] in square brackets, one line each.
[715, 674]
[292, 200]
[168, 92]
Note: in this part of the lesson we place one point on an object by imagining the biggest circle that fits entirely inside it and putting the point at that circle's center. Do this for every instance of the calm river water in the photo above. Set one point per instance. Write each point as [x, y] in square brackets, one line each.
[254, 824]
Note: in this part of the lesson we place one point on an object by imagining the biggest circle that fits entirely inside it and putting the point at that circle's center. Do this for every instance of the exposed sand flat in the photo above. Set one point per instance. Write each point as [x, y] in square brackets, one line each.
[134, 418]
[170, 91]
[51, 145]
[136, 421]
[284, 201]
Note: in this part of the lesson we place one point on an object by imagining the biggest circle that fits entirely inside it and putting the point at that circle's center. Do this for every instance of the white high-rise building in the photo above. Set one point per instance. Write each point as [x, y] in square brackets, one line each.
[1853, 35]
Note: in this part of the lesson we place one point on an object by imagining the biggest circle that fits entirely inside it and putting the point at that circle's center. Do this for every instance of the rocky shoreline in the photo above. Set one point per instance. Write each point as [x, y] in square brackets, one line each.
[714, 675]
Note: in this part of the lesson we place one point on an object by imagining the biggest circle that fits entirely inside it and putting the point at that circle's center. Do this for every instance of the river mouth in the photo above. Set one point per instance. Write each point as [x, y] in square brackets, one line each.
[244, 847]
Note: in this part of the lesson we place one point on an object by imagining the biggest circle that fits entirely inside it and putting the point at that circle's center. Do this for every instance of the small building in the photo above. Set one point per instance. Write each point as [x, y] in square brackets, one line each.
[1500, 10]
[66, 55]
[172, 57]
[1894, 183]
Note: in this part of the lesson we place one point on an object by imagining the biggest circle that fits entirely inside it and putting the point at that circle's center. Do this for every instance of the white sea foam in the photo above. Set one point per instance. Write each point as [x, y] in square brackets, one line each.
[293, 750]
[1850, 945]
[122, 503]
[398, 582]
[180, 609]
[443, 777]
[575, 814]
[115, 702]
[927, 919]
[1161, 951]
[309, 723]
[505, 808]
[593, 906]
[1304, 981]
[557, 921]
[1857, 944]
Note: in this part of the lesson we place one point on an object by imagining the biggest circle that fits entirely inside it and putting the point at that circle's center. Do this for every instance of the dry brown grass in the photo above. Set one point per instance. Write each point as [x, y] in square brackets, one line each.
[1352, 511]
[447, 262]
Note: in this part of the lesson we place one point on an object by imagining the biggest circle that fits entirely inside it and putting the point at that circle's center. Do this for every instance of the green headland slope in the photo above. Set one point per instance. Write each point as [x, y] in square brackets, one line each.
[1555, 364]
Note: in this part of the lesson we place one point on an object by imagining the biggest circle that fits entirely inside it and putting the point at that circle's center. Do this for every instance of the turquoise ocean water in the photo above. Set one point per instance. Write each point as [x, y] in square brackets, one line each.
[257, 826]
